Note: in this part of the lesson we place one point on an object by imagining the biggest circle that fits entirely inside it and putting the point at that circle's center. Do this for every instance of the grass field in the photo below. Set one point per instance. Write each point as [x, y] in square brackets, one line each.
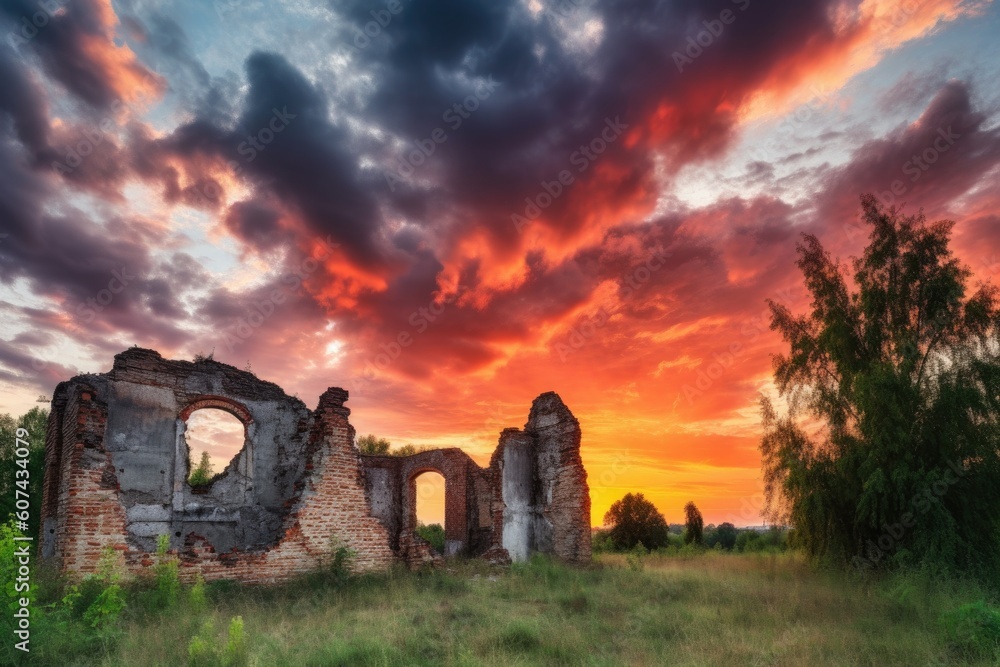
[710, 609]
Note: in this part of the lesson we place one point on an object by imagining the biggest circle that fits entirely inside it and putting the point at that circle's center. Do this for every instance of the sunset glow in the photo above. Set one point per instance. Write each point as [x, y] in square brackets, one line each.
[475, 202]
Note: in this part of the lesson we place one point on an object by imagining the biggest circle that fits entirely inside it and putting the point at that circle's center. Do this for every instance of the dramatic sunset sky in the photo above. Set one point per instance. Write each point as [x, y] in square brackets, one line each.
[247, 177]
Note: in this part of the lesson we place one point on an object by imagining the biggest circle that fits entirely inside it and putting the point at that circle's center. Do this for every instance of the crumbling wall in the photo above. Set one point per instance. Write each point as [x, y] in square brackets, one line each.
[391, 486]
[117, 467]
[545, 496]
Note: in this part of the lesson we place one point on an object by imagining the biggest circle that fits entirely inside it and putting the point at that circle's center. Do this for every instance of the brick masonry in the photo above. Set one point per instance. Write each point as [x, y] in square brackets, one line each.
[117, 466]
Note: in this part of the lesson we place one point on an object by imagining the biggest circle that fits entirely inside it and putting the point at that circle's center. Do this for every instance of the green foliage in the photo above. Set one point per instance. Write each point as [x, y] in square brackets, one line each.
[902, 370]
[693, 525]
[635, 556]
[201, 648]
[373, 446]
[205, 649]
[9, 599]
[235, 652]
[197, 596]
[202, 473]
[724, 536]
[338, 566]
[34, 422]
[166, 572]
[434, 533]
[633, 519]
[973, 630]
[601, 542]
[107, 608]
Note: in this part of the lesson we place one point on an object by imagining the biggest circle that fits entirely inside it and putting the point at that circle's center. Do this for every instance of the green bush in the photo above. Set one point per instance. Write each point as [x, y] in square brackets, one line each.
[973, 630]
[106, 609]
[434, 534]
[198, 597]
[167, 574]
[635, 556]
[204, 649]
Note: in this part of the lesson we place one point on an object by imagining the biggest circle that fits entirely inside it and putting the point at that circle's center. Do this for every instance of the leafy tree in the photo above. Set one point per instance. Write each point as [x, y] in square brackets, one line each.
[34, 422]
[694, 525]
[900, 371]
[375, 446]
[726, 535]
[372, 445]
[632, 520]
[203, 472]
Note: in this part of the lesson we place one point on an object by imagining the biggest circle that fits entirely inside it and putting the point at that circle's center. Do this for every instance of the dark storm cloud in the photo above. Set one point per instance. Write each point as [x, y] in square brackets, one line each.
[284, 144]
[23, 104]
[552, 100]
[255, 223]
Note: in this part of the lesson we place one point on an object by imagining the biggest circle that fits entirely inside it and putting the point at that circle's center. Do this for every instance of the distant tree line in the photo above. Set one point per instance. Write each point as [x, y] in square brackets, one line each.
[635, 522]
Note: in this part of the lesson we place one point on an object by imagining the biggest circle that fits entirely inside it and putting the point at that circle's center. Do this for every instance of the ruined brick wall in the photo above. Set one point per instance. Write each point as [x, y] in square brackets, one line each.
[391, 486]
[117, 467]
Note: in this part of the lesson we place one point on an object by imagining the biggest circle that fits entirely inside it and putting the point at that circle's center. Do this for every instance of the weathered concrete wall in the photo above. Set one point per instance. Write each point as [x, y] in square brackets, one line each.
[546, 500]
[117, 468]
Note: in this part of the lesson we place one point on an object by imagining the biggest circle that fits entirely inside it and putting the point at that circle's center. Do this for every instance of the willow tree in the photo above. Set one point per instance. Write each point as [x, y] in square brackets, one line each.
[886, 452]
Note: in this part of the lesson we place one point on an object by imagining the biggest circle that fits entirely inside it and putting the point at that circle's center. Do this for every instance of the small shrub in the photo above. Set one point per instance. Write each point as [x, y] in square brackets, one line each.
[166, 572]
[635, 556]
[106, 609]
[235, 653]
[204, 649]
[201, 648]
[434, 534]
[601, 542]
[973, 630]
[99, 596]
[198, 597]
[336, 568]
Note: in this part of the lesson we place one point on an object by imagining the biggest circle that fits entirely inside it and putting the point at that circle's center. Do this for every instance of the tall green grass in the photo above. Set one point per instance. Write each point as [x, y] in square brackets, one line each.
[693, 609]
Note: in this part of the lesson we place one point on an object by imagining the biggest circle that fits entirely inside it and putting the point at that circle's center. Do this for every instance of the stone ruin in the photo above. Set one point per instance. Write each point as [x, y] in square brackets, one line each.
[116, 471]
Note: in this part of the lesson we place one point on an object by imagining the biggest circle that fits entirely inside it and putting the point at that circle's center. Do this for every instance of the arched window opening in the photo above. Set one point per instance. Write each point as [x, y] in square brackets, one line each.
[214, 437]
[430, 514]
